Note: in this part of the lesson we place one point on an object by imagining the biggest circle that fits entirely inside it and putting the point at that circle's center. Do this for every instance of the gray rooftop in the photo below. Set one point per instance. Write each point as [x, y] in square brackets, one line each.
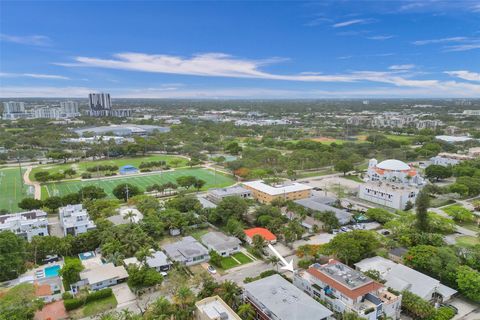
[285, 300]
[122, 129]
[206, 203]
[184, 249]
[158, 259]
[219, 241]
[226, 192]
[400, 277]
[316, 204]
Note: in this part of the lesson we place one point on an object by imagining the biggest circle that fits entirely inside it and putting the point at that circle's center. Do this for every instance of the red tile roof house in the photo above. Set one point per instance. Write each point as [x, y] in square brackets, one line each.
[264, 233]
[347, 290]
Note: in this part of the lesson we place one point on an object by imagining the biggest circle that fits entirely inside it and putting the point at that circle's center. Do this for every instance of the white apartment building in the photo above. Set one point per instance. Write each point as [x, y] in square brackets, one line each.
[449, 159]
[69, 108]
[46, 112]
[74, 220]
[471, 112]
[427, 124]
[13, 110]
[25, 224]
[387, 194]
[346, 290]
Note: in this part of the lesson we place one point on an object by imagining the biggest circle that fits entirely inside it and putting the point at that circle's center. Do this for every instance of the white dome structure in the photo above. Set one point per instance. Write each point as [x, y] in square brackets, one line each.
[393, 165]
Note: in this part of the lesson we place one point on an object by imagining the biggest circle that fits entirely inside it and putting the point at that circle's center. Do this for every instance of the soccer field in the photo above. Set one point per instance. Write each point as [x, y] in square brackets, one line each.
[213, 180]
[82, 166]
[11, 191]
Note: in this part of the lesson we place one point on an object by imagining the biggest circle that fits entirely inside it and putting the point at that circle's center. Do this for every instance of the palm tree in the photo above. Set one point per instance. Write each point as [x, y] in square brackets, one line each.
[230, 293]
[246, 312]
[184, 298]
[143, 254]
[274, 261]
[130, 215]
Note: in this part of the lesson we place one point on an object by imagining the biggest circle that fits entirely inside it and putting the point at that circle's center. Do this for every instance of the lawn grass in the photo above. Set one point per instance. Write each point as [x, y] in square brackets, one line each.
[81, 167]
[218, 180]
[242, 258]
[197, 234]
[12, 190]
[95, 307]
[467, 241]
[228, 263]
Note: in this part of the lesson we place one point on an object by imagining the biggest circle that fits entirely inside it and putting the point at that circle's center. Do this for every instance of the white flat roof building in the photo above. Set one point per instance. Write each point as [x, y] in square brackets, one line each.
[74, 220]
[25, 224]
[214, 308]
[400, 277]
[277, 189]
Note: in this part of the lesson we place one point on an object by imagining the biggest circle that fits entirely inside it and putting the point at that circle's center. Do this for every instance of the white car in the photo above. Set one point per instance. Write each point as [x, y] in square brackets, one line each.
[211, 269]
[164, 274]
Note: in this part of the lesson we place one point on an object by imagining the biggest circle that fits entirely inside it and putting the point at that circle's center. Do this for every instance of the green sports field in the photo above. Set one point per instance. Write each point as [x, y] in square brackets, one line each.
[82, 166]
[11, 190]
[108, 184]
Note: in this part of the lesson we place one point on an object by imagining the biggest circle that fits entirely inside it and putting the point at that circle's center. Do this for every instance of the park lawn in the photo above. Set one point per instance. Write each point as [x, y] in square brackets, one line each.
[242, 258]
[213, 180]
[83, 165]
[12, 191]
[94, 308]
[467, 241]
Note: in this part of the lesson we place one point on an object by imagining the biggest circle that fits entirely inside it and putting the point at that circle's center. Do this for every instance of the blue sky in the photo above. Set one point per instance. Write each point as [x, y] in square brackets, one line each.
[249, 49]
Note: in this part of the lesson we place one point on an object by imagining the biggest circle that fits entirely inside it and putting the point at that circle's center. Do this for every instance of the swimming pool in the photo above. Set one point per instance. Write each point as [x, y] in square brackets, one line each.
[52, 271]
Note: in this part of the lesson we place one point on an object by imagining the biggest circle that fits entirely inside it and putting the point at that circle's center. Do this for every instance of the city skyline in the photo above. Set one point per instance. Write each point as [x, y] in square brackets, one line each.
[417, 49]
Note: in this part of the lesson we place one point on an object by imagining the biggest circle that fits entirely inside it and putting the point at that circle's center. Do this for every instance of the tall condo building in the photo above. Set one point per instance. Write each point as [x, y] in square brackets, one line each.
[69, 107]
[13, 107]
[99, 101]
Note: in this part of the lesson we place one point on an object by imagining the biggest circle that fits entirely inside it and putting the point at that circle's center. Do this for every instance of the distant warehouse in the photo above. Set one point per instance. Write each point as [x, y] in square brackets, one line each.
[122, 130]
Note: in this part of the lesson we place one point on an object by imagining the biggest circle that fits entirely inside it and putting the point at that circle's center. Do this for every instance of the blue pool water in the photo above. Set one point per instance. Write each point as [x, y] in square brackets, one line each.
[52, 271]
[86, 255]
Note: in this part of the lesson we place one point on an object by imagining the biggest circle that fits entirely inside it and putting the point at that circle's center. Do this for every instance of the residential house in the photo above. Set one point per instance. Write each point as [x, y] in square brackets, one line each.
[347, 290]
[187, 251]
[159, 261]
[74, 220]
[25, 224]
[274, 298]
[264, 233]
[318, 204]
[103, 276]
[214, 308]
[400, 277]
[224, 245]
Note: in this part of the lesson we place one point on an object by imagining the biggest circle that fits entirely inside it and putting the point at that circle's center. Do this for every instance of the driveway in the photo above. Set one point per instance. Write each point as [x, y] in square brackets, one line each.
[123, 294]
[466, 310]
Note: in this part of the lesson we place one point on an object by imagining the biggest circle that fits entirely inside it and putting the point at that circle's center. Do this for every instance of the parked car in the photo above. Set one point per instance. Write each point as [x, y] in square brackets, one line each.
[317, 189]
[164, 274]
[335, 231]
[345, 229]
[211, 269]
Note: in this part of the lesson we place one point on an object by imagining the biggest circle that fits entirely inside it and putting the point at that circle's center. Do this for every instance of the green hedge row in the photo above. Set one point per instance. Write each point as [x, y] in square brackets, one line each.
[74, 303]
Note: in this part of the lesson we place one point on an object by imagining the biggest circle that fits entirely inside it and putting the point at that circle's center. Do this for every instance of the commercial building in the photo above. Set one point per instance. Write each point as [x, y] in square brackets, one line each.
[25, 224]
[122, 130]
[391, 183]
[264, 233]
[224, 245]
[400, 277]
[266, 193]
[187, 251]
[274, 298]
[347, 290]
[217, 195]
[74, 220]
[214, 308]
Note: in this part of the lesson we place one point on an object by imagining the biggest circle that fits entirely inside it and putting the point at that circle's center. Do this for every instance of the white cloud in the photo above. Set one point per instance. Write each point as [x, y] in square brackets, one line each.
[380, 38]
[402, 67]
[44, 92]
[465, 75]
[464, 47]
[442, 40]
[34, 40]
[351, 22]
[33, 75]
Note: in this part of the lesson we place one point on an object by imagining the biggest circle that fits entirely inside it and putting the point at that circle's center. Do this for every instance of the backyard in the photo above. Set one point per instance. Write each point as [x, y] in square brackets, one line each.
[235, 260]
[212, 179]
